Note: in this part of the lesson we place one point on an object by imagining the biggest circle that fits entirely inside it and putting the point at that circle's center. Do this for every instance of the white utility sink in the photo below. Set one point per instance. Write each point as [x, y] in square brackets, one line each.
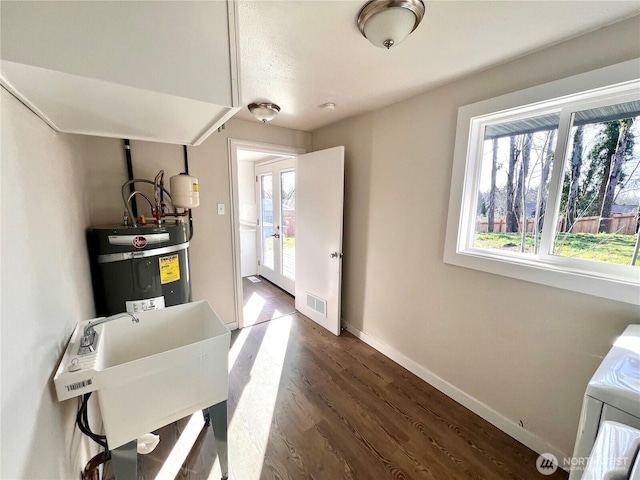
[146, 375]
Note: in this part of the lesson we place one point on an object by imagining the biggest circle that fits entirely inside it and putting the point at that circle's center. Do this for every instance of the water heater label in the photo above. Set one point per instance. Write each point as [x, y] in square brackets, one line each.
[169, 269]
[135, 306]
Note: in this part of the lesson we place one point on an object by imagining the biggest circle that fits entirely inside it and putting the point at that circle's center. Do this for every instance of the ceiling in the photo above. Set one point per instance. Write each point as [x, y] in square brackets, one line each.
[300, 54]
[255, 156]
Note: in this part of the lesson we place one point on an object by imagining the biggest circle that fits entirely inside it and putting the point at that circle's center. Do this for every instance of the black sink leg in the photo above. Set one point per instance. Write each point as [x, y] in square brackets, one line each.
[124, 461]
[217, 415]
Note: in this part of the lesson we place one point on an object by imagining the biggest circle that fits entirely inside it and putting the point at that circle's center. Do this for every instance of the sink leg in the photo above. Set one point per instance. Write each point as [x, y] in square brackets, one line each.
[218, 417]
[124, 460]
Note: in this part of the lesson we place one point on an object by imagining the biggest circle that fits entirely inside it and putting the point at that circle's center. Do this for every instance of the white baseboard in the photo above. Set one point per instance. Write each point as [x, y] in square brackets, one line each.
[509, 427]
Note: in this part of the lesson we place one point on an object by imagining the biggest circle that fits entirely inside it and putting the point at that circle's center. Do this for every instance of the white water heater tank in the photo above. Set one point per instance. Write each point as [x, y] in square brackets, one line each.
[184, 191]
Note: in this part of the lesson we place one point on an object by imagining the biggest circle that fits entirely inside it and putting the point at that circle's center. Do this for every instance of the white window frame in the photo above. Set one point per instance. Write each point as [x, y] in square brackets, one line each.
[615, 84]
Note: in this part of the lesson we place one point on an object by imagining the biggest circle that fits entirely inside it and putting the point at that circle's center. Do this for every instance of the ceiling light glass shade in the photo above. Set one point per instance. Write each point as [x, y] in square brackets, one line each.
[386, 23]
[265, 112]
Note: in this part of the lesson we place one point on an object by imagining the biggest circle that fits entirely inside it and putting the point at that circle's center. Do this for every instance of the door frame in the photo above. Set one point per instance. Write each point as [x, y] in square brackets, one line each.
[233, 145]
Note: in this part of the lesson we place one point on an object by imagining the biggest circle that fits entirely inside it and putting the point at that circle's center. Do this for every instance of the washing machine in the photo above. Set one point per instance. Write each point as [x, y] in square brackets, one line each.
[609, 429]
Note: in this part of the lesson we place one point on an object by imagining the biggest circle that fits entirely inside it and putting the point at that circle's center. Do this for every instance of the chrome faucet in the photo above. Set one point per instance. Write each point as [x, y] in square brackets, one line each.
[88, 339]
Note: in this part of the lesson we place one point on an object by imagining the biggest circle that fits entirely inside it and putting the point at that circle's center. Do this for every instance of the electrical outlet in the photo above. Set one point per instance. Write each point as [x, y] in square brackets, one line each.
[221, 209]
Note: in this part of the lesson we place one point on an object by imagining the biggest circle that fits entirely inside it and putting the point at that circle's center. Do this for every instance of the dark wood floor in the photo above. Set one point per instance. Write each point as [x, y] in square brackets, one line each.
[304, 404]
[264, 301]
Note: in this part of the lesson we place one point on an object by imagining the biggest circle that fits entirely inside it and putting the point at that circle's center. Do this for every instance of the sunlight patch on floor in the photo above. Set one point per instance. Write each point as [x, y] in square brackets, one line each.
[257, 402]
[252, 309]
[182, 448]
[236, 348]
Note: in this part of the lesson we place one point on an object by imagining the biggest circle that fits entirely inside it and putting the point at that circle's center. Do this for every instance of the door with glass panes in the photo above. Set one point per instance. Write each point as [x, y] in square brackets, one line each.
[276, 188]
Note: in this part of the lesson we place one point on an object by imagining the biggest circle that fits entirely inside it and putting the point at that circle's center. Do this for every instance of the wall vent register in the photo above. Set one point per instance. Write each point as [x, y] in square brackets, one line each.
[317, 304]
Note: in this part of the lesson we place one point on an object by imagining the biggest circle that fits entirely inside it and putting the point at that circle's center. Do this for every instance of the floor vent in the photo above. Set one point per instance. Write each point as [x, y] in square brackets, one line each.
[317, 304]
[254, 279]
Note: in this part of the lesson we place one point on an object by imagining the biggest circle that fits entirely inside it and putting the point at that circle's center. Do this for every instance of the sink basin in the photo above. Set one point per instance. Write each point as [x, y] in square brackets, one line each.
[146, 375]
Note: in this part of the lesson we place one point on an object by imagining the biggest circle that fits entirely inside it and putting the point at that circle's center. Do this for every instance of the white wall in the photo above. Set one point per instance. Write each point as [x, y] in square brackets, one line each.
[524, 350]
[46, 289]
[247, 192]
[211, 249]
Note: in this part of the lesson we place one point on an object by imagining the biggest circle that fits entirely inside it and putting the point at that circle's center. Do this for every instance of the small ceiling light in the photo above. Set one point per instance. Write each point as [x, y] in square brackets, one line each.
[330, 106]
[265, 112]
[386, 23]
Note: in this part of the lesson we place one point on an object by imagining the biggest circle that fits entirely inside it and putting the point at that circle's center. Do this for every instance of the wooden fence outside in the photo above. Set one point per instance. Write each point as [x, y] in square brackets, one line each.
[623, 224]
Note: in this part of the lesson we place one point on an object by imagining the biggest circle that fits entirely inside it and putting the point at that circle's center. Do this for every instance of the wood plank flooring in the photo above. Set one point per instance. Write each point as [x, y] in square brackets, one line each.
[264, 301]
[304, 404]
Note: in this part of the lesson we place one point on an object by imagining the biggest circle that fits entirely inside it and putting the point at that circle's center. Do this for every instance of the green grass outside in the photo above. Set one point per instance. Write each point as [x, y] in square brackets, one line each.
[286, 243]
[602, 247]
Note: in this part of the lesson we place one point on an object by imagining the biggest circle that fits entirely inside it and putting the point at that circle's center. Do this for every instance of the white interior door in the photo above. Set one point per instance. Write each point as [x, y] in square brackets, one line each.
[276, 185]
[319, 202]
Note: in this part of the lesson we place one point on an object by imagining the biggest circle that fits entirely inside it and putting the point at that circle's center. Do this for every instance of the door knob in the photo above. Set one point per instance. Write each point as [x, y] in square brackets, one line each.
[277, 235]
[336, 255]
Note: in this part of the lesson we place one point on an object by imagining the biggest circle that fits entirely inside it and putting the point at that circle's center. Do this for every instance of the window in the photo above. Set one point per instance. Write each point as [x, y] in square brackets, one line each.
[546, 187]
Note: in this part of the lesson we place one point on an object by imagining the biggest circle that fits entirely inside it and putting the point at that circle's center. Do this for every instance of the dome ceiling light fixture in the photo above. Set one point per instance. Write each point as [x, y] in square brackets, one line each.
[265, 112]
[386, 23]
[328, 106]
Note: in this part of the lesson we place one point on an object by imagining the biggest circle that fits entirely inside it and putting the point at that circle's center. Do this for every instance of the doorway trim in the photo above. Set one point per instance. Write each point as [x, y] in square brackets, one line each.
[234, 145]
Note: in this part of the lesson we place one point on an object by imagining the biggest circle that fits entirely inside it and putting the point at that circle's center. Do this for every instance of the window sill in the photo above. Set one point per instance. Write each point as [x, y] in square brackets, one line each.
[548, 274]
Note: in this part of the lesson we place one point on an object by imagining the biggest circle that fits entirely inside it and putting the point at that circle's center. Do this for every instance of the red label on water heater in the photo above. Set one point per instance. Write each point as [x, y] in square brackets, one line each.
[139, 242]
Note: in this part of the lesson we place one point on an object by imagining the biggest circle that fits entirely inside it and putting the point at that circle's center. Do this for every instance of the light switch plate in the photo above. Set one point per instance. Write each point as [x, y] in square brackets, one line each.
[221, 209]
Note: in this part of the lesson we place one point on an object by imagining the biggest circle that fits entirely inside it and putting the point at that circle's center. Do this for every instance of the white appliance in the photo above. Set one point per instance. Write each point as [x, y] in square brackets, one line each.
[614, 455]
[610, 410]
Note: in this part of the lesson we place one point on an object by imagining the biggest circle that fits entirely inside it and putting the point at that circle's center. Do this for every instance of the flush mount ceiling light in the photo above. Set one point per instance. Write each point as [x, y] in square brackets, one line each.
[329, 106]
[265, 112]
[386, 23]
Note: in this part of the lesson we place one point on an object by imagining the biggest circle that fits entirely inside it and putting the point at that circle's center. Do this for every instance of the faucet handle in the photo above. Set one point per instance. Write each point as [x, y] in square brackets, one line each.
[86, 344]
[87, 339]
[86, 350]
